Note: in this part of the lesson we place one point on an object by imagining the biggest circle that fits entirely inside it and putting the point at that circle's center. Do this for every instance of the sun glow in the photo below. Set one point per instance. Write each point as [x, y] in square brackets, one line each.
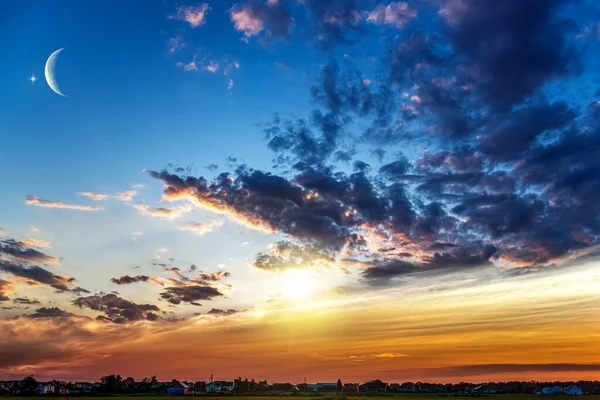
[297, 284]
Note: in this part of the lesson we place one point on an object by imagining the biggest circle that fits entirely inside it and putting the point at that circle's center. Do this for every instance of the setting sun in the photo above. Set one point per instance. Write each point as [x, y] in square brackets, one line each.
[297, 284]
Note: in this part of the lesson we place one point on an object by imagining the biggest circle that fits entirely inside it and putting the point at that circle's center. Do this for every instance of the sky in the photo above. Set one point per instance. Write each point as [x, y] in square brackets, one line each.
[291, 189]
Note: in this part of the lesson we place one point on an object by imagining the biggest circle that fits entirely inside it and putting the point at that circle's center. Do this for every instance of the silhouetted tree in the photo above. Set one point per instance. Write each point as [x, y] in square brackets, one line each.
[29, 385]
[129, 384]
[112, 383]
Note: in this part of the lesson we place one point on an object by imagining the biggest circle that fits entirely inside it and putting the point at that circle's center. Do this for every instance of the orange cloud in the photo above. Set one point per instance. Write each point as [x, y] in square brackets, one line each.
[160, 212]
[36, 243]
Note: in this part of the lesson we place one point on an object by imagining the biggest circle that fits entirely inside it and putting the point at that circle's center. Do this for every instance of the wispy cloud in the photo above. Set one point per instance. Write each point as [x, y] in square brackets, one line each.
[37, 202]
[191, 66]
[94, 196]
[200, 228]
[126, 196]
[34, 229]
[159, 212]
[175, 43]
[193, 15]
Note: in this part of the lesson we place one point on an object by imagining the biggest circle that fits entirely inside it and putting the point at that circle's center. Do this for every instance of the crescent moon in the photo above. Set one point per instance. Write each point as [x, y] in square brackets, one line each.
[49, 72]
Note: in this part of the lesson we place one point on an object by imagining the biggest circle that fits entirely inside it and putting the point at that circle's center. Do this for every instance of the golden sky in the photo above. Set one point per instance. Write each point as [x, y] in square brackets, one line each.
[445, 328]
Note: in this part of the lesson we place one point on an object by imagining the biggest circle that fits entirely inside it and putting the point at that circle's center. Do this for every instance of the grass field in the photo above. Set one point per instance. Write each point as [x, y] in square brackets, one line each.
[322, 396]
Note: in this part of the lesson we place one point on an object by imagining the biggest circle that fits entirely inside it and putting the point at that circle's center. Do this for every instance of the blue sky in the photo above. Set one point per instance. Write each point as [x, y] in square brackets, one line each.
[257, 163]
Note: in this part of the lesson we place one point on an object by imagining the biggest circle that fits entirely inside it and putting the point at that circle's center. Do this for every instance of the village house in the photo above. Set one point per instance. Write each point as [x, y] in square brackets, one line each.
[484, 389]
[322, 387]
[220, 387]
[47, 388]
[548, 390]
[573, 390]
[178, 388]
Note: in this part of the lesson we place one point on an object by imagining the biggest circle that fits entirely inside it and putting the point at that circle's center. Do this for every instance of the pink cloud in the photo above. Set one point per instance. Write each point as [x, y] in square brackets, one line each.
[193, 15]
[245, 21]
[212, 66]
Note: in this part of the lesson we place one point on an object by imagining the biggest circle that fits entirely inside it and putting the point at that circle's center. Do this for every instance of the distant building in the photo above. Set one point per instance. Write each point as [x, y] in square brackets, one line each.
[552, 390]
[178, 388]
[282, 386]
[47, 388]
[321, 387]
[83, 386]
[573, 390]
[220, 387]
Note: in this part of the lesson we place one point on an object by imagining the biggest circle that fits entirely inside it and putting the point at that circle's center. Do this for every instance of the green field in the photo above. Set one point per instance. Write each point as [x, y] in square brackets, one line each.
[323, 396]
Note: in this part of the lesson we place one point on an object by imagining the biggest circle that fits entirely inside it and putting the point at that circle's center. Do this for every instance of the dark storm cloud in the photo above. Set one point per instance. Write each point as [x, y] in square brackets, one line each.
[395, 169]
[19, 251]
[509, 135]
[50, 312]
[463, 257]
[338, 97]
[388, 270]
[461, 159]
[189, 294]
[266, 201]
[128, 279]
[40, 275]
[117, 309]
[512, 47]
[335, 21]
[496, 164]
